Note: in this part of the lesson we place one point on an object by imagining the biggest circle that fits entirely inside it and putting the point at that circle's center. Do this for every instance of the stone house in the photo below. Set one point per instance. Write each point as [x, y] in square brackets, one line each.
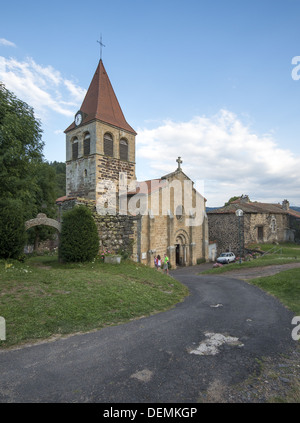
[260, 223]
[164, 215]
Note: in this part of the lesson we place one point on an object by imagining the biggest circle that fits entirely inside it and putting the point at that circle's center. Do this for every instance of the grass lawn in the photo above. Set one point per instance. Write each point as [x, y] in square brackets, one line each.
[285, 286]
[287, 253]
[41, 297]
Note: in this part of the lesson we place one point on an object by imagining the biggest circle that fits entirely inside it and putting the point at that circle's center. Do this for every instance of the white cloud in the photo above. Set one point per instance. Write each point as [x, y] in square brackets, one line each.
[4, 42]
[77, 93]
[224, 156]
[42, 87]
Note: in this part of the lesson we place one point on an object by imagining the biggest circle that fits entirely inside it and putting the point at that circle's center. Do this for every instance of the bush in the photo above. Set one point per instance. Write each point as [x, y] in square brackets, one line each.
[12, 229]
[79, 241]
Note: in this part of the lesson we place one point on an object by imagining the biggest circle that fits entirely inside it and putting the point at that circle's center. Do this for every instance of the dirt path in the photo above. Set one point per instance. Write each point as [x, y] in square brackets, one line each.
[258, 272]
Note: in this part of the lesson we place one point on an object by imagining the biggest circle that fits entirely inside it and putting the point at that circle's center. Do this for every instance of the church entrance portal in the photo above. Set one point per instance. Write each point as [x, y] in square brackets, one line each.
[178, 255]
[181, 251]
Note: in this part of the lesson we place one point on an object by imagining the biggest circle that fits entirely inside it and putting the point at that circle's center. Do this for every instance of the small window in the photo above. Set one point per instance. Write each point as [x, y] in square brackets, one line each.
[273, 225]
[108, 145]
[75, 149]
[123, 149]
[87, 145]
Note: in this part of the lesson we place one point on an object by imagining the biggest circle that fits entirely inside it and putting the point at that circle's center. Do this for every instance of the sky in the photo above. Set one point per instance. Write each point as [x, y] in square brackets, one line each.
[215, 82]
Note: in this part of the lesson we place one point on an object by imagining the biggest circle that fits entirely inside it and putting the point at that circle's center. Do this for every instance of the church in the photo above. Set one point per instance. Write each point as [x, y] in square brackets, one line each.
[147, 218]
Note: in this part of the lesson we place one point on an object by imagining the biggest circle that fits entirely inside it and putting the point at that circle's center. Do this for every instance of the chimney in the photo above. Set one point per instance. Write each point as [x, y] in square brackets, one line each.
[285, 205]
[245, 199]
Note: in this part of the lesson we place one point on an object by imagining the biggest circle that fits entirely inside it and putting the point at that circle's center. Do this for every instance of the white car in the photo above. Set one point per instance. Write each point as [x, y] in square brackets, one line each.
[226, 258]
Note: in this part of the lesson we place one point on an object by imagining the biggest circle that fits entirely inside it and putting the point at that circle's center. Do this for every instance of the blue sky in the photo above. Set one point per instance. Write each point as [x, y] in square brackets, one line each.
[210, 81]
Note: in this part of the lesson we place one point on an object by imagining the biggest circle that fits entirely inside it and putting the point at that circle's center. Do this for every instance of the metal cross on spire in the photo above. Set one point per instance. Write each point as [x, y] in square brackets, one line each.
[101, 45]
[179, 161]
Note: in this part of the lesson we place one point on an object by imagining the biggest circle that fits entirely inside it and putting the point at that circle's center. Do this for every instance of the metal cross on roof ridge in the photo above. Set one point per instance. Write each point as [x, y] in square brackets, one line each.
[101, 45]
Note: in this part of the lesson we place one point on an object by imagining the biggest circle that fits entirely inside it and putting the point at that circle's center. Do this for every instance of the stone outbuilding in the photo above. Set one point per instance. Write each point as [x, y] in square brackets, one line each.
[260, 223]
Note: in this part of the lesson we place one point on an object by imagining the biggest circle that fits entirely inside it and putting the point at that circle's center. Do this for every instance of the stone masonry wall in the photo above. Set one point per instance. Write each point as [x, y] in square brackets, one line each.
[116, 232]
[224, 230]
[84, 173]
[273, 226]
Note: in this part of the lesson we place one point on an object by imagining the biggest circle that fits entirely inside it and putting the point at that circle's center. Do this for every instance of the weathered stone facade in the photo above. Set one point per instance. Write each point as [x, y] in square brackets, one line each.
[260, 223]
[85, 172]
[116, 232]
[157, 229]
[265, 227]
[224, 231]
[183, 235]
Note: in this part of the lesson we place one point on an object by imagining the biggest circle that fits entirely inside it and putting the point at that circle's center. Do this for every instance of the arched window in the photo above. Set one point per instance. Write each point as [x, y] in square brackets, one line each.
[108, 145]
[273, 224]
[75, 148]
[87, 144]
[123, 149]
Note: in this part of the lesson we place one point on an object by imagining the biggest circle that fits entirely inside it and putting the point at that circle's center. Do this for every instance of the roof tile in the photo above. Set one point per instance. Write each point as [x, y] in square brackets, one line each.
[101, 103]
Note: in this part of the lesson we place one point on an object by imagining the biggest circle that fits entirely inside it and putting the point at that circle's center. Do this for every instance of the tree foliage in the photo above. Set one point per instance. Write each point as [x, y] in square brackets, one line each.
[60, 178]
[12, 229]
[231, 200]
[79, 240]
[20, 147]
[43, 196]
[24, 174]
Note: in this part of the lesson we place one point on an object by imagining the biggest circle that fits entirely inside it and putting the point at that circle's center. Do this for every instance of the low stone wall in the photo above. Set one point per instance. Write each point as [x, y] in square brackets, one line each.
[116, 232]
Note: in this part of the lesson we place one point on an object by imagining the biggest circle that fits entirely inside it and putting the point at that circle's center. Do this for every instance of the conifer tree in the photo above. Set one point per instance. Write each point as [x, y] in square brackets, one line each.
[79, 241]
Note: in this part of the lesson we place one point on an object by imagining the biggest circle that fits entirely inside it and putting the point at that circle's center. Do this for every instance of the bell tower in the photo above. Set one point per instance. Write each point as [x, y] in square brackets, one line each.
[100, 144]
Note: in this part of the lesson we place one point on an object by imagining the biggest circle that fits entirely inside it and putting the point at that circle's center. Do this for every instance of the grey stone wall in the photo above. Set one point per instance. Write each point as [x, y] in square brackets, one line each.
[274, 227]
[116, 232]
[224, 231]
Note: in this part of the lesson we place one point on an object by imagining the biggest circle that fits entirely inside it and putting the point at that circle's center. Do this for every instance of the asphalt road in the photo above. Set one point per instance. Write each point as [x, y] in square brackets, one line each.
[155, 359]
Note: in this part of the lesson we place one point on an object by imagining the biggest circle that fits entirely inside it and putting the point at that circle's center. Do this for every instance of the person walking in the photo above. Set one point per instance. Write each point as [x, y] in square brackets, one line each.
[166, 264]
[158, 262]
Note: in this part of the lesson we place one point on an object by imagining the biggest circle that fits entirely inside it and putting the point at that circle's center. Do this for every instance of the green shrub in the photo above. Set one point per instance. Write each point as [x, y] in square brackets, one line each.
[12, 229]
[79, 241]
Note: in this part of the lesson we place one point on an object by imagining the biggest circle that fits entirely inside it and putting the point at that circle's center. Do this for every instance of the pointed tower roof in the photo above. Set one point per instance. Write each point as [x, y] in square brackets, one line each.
[101, 102]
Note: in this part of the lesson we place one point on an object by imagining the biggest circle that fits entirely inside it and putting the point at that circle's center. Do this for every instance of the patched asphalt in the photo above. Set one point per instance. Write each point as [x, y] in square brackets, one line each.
[152, 359]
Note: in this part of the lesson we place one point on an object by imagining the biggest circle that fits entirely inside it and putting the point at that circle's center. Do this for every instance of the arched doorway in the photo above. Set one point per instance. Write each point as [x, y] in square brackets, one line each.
[181, 246]
[42, 219]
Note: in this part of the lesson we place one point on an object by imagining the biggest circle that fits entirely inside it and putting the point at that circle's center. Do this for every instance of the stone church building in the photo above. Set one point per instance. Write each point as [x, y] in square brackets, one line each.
[156, 217]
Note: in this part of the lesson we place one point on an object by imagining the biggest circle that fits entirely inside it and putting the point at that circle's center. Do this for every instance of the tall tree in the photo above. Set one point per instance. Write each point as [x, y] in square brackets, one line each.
[60, 171]
[24, 174]
[21, 148]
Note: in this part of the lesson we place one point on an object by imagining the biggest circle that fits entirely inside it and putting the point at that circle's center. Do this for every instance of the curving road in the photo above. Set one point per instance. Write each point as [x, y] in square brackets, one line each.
[171, 357]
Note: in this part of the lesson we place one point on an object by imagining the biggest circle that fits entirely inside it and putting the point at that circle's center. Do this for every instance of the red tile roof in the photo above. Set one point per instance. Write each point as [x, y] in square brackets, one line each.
[64, 198]
[101, 102]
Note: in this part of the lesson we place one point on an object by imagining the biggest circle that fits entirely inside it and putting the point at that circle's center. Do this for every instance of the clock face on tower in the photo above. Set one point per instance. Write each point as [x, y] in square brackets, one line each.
[78, 118]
